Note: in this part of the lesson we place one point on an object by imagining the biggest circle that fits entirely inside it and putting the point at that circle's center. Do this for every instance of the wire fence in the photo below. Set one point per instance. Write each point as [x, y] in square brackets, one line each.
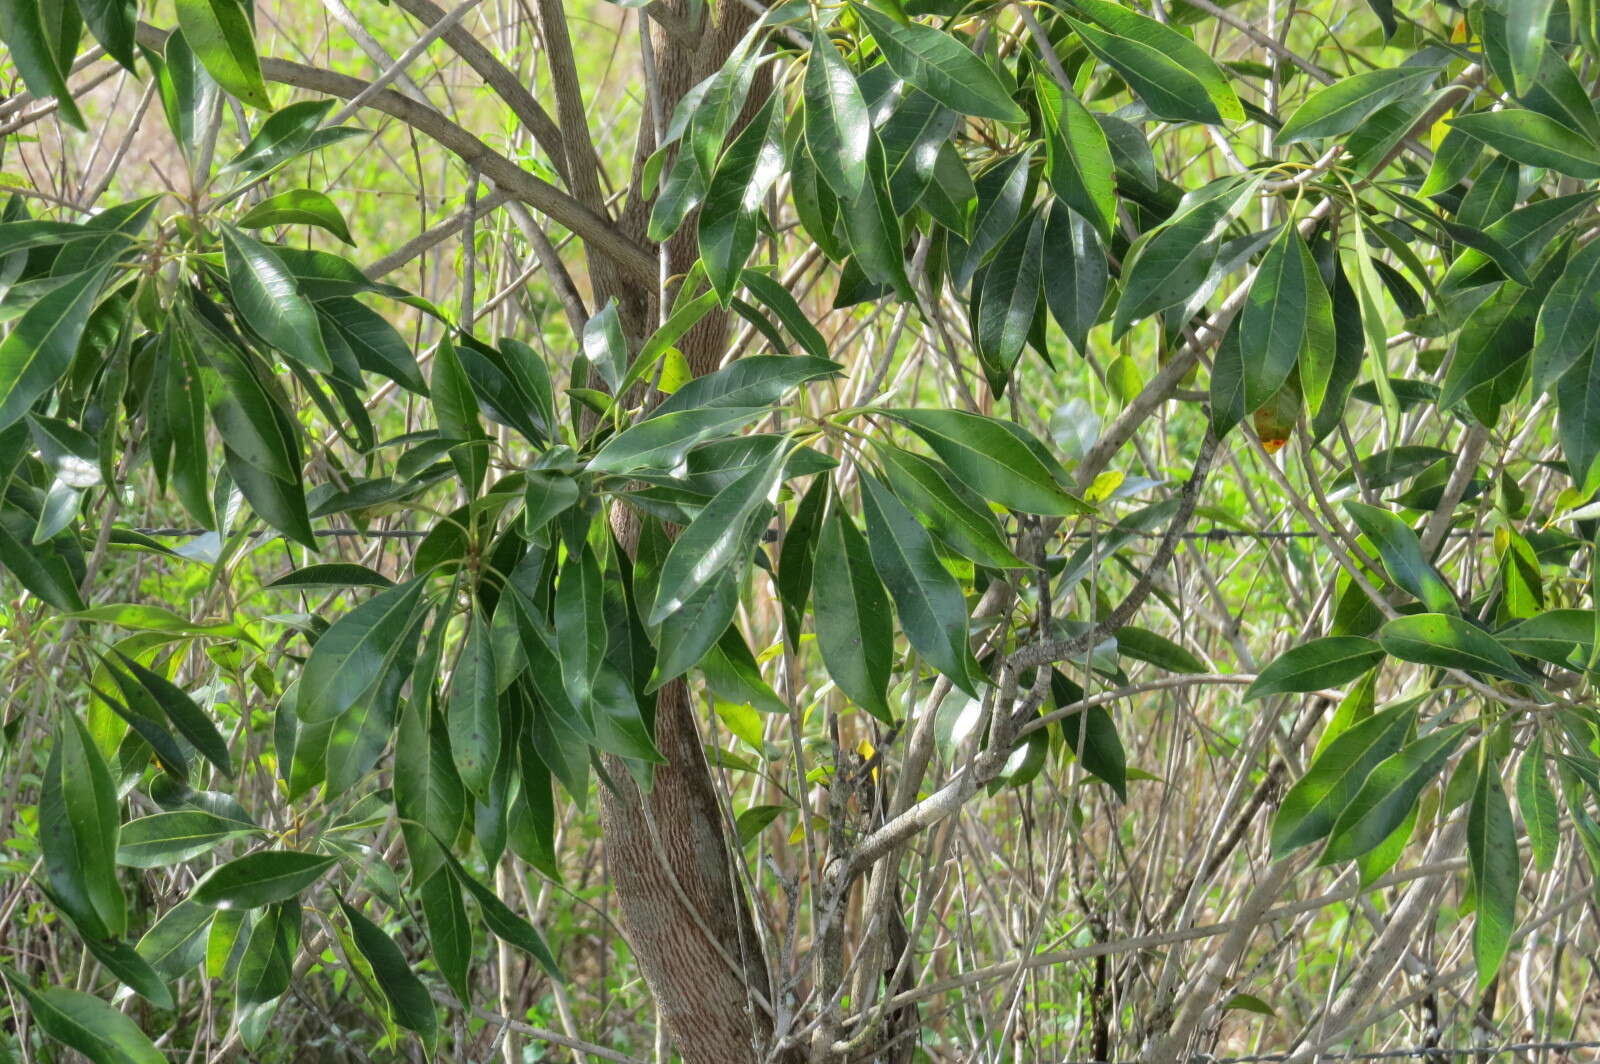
[1214, 535]
[1426, 1053]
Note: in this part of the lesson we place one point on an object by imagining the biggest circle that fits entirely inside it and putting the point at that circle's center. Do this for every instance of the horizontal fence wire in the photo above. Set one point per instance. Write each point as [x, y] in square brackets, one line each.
[1214, 535]
[1427, 1053]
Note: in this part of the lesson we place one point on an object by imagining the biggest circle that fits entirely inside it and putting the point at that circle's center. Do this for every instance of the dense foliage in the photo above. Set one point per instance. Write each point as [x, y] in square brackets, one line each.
[844, 469]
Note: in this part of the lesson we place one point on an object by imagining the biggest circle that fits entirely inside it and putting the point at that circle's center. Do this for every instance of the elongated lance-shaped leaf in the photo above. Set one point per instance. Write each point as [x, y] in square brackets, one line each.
[1402, 556]
[40, 346]
[1496, 871]
[837, 125]
[941, 66]
[351, 655]
[854, 625]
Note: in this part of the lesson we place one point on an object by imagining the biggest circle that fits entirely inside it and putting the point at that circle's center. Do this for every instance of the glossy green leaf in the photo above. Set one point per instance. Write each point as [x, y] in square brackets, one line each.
[267, 297]
[1322, 663]
[167, 838]
[1276, 324]
[1536, 800]
[997, 459]
[941, 66]
[87, 1024]
[350, 655]
[1336, 109]
[1141, 644]
[1448, 642]
[932, 610]
[855, 630]
[78, 830]
[1314, 804]
[40, 345]
[951, 511]
[1171, 90]
[1402, 556]
[1569, 318]
[298, 206]
[409, 1002]
[331, 574]
[188, 718]
[505, 924]
[1077, 279]
[1175, 46]
[837, 125]
[219, 32]
[752, 381]
[449, 934]
[1496, 871]
[1534, 140]
[473, 710]
[695, 628]
[661, 442]
[1389, 794]
[581, 633]
[28, 42]
[1010, 300]
[728, 222]
[1078, 158]
[1091, 735]
[261, 878]
[1526, 22]
[113, 23]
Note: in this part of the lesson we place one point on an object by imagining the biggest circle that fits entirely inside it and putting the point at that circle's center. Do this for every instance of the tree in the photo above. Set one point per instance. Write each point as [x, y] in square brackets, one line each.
[817, 493]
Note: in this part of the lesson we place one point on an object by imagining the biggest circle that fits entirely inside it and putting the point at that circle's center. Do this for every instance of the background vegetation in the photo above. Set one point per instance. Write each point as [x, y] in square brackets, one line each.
[922, 531]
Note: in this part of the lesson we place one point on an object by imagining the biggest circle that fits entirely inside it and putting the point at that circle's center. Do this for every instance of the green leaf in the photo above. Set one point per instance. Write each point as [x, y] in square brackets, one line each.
[1448, 642]
[1551, 636]
[1402, 556]
[1569, 318]
[1167, 266]
[1075, 285]
[86, 1024]
[261, 878]
[728, 223]
[1314, 666]
[1313, 805]
[1010, 300]
[1336, 109]
[755, 380]
[40, 346]
[1177, 48]
[933, 612]
[949, 509]
[505, 924]
[167, 838]
[473, 709]
[661, 442]
[269, 300]
[1274, 325]
[298, 206]
[1078, 158]
[78, 829]
[1496, 871]
[581, 635]
[935, 62]
[28, 40]
[1526, 21]
[448, 931]
[1536, 800]
[219, 32]
[855, 630]
[409, 1002]
[1000, 461]
[1152, 649]
[1533, 140]
[190, 720]
[782, 304]
[873, 229]
[695, 628]
[837, 126]
[721, 538]
[377, 346]
[1171, 90]
[174, 945]
[342, 575]
[350, 655]
[112, 22]
[1390, 794]
[1091, 735]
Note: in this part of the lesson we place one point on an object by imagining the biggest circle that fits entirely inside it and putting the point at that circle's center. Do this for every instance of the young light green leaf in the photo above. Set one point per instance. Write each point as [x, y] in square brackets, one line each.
[1536, 800]
[752, 381]
[1314, 666]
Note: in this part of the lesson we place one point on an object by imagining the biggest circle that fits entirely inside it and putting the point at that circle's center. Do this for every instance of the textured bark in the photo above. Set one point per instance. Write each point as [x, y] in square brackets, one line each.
[667, 851]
